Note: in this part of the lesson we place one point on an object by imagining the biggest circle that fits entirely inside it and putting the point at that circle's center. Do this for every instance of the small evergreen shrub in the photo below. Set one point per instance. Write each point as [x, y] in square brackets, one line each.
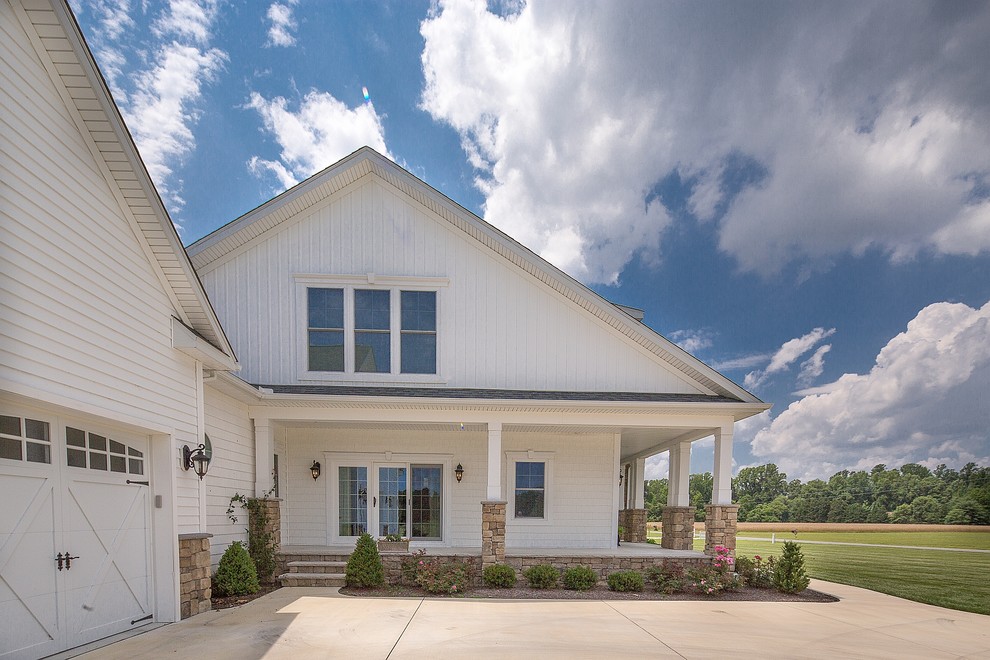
[543, 576]
[440, 576]
[625, 581]
[667, 578]
[499, 576]
[364, 568]
[236, 574]
[789, 575]
[579, 578]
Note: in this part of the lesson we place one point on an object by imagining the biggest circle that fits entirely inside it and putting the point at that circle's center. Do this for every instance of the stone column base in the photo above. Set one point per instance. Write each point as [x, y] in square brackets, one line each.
[633, 524]
[720, 527]
[270, 522]
[677, 527]
[492, 533]
[195, 588]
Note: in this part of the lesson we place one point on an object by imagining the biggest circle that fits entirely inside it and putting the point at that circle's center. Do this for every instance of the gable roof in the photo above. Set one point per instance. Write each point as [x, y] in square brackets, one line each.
[259, 224]
[63, 51]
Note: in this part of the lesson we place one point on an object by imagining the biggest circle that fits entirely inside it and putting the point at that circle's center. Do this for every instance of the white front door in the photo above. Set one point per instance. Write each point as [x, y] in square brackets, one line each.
[74, 534]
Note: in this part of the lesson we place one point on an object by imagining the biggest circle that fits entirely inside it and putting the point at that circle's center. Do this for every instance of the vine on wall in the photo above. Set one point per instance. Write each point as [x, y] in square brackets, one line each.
[261, 536]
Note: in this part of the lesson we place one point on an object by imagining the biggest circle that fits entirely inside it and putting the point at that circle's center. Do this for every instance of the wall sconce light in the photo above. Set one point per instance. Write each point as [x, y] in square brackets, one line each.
[314, 469]
[459, 472]
[197, 459]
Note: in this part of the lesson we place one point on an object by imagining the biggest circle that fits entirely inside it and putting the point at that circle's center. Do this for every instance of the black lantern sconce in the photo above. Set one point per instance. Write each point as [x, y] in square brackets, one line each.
[314, 469]
[197, 459]
[459, 472]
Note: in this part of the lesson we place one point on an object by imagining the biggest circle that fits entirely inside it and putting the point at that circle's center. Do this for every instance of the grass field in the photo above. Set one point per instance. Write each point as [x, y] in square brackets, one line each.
[957, 580]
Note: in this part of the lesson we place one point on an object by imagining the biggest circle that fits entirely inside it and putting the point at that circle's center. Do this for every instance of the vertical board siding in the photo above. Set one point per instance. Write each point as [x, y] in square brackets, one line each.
[505, 329]
[83, 316]
[232, 436]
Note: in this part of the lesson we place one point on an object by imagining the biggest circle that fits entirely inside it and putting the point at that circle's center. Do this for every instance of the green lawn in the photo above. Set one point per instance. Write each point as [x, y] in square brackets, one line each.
[957, 580]
[974, 540]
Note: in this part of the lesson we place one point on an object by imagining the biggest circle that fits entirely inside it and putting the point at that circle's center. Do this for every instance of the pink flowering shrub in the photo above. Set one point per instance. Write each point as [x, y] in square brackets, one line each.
[439, 575]
[716, 578]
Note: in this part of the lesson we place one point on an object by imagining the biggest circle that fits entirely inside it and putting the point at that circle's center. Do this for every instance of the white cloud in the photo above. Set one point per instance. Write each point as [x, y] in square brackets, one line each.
[789, 352]
[742, 362]
[280, 32]
[858, 125]
[322, 131]
[691, 341]
[925, 401]
[814, 366]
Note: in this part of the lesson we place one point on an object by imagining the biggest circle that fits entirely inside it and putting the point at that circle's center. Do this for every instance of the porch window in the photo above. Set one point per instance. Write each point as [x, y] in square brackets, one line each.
[530, 493]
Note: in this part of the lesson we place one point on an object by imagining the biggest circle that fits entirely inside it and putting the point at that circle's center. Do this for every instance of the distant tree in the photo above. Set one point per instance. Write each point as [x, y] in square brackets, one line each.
[700, 486]
[761, 484]
[967, 511]
[775, 511]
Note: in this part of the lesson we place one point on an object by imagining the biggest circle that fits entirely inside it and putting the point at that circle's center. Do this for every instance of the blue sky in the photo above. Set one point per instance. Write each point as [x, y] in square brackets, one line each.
[797, 193]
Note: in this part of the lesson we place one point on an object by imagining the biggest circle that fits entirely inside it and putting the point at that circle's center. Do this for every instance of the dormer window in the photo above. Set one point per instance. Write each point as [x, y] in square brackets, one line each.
[385, 327]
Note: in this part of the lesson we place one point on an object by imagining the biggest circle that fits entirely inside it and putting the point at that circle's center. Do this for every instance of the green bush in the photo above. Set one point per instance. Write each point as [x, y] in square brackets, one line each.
[667, 578]
[442, 576]
[364, 568]
[543, 576]
[236, 574]
[745, 567]
[625, 581]
[499, 576]
[790, 576]
[579, 578]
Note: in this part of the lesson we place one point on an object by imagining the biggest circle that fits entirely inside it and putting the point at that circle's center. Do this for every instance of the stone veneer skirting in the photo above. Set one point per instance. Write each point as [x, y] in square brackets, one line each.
[720, 527]
[677, 528]
[195, 587]
[633, 524]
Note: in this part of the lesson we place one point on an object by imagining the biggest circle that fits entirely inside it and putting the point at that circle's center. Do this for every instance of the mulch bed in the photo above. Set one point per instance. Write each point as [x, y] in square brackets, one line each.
[223, 602]
[597, 593]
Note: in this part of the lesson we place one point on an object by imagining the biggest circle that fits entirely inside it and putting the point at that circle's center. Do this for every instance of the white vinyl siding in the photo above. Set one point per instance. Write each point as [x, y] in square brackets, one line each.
[84, 319]
[499, 327]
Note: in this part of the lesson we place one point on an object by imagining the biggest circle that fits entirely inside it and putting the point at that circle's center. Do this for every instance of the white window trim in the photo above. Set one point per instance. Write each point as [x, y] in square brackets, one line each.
[349, 283]
[370, 460]
[509, 487]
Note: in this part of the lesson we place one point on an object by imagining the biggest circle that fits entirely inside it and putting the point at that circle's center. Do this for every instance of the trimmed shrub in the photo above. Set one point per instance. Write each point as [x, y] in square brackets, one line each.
[667, 578]
[790, 576]
[625, 581]
[543, 576]
[441, 576]
[236, 574]
[745, 568]
[579, 578]
[499, 576]
[364, 568]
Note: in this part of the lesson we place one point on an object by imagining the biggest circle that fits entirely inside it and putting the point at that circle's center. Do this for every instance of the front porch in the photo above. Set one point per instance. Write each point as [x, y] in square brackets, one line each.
[323, 565]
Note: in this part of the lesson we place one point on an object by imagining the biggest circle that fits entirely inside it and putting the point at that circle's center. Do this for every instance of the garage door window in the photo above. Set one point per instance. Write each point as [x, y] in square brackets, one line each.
[103, 453]
[25, 439]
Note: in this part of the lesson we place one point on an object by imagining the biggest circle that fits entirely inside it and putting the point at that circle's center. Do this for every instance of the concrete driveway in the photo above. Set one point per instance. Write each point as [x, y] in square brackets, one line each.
[303, 623]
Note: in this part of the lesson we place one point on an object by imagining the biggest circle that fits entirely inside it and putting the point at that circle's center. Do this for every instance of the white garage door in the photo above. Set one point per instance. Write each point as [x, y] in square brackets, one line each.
[74, 533]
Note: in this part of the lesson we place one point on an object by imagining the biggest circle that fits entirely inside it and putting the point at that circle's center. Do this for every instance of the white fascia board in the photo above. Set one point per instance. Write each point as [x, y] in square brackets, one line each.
[188, 342]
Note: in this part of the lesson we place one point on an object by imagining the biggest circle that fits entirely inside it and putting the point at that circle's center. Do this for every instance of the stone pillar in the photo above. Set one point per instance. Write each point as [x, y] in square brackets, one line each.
[720, 527]
[677, 528]
[633, 523]
[270, 520]
[492, 532]
[195, 588]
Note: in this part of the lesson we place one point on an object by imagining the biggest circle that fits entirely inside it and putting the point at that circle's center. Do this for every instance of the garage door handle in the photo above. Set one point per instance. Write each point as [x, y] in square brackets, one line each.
[68, 561]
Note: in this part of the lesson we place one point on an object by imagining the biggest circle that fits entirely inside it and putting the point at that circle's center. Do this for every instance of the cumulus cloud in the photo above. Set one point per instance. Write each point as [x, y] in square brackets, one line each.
[158, 95]
[802, 130]
[320, 132]
[282, 23]
[814, 366]
[924, 401]
[691, 341]
[789, 352]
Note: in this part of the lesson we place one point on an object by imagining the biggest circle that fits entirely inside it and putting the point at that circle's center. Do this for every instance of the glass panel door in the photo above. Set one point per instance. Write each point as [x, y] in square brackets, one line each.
[352, 504]
[392, 501]
[427, 495]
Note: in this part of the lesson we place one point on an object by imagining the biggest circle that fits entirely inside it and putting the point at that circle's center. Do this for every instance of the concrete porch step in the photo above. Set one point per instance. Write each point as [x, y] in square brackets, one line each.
[311, 579]
[316, 566]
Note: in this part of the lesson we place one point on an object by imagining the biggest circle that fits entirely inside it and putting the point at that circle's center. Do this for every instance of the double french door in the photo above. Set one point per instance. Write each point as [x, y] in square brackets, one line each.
[405, 499]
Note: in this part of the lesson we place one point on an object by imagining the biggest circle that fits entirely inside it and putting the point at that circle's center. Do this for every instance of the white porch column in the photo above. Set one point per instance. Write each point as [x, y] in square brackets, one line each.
[639, 497]
[494, 492]
[722, 473]
[679, 475]
[264, 450]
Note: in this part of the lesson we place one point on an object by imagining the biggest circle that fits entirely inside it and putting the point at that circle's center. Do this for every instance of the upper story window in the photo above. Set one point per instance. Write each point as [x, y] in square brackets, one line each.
[363, 326]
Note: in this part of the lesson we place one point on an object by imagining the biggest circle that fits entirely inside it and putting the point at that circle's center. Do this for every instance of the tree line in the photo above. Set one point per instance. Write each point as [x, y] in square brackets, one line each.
[909, 494]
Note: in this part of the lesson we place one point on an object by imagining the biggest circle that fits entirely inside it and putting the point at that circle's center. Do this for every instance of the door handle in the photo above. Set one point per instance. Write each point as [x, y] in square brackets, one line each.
[374, 501]
[68, 561]
[60, 560]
